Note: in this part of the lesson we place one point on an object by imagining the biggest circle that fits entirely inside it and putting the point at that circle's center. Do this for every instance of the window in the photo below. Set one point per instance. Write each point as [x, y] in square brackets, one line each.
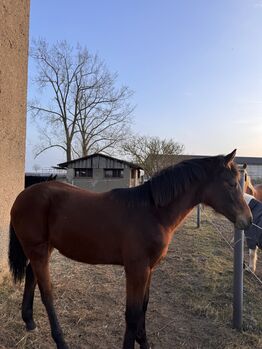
[84, 172]
[114, 173]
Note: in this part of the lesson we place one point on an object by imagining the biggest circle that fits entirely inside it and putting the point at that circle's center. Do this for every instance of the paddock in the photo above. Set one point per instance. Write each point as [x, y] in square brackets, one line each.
[190, 304]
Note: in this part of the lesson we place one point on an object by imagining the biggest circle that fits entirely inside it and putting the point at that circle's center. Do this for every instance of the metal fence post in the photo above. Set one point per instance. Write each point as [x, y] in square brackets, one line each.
[238, 270]
[198, 215]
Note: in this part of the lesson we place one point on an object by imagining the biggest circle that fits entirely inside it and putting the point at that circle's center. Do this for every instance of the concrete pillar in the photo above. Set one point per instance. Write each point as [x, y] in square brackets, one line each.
[14, 20]
[70, 175]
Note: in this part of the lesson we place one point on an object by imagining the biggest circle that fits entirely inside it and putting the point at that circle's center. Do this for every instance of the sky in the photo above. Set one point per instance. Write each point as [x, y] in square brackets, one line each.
[195, 66]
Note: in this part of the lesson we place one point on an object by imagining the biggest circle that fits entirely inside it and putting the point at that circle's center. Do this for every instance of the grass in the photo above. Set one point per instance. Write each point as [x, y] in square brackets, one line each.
[190, 302]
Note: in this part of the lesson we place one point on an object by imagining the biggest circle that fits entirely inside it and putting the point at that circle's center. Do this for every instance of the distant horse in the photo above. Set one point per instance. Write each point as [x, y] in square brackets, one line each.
[253, 234]
[129, 227]
[258, 192]
[255, 190]
[30, 180]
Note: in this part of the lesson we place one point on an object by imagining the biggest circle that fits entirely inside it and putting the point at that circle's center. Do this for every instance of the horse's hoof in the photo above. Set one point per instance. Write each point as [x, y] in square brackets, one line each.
[31, 327]
[63, 346]
[143, 346]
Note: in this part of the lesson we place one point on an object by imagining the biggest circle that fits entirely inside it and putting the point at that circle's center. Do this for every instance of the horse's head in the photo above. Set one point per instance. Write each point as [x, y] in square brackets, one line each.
[223, 192]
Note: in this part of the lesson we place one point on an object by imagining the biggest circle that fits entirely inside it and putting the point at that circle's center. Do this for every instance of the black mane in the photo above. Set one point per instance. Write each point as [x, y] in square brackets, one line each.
[136, 196]
[171, 182]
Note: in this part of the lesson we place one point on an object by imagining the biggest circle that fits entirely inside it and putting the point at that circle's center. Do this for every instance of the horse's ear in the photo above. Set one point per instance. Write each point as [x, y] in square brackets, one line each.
[228, 158]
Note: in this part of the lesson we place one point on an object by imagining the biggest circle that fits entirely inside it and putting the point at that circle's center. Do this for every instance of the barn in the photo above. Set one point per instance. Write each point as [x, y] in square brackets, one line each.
[254, 166]
[99, 173]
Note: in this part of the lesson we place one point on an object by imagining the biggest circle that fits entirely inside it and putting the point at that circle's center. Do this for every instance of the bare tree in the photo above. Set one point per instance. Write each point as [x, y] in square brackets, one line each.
[152, 153]
[103, 112]
[85, 111]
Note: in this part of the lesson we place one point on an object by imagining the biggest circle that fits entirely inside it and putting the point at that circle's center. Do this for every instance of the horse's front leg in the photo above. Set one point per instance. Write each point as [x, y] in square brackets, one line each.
[141, 337]
[137, 278]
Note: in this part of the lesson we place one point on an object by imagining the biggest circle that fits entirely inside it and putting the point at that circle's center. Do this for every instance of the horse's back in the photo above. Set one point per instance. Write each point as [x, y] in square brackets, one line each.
[44, 191]
[34, 206]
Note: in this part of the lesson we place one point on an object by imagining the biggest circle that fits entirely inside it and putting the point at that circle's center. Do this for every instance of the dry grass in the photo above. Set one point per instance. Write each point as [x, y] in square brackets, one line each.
[190, 305]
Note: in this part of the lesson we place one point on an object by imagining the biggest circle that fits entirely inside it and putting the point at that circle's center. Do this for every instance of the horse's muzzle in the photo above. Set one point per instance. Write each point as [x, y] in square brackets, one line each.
[243, 223]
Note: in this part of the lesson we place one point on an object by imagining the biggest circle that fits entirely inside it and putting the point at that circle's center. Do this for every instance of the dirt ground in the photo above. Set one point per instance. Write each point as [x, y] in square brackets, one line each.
[190, 302]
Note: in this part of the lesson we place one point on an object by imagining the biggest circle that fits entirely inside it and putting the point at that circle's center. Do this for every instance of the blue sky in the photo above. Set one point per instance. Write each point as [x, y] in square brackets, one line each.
[195, 66]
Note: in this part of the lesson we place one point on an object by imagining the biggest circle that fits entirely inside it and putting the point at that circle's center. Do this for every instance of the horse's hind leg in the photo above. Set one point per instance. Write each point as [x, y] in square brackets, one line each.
[28, 299]
[41, 271]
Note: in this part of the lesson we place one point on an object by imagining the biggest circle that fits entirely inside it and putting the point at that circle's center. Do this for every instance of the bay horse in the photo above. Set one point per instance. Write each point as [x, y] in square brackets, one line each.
[255, 190]
[130, 227]
[258, 192]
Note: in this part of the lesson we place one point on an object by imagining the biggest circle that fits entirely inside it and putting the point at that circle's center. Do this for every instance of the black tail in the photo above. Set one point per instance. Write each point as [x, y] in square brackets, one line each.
[16, 256]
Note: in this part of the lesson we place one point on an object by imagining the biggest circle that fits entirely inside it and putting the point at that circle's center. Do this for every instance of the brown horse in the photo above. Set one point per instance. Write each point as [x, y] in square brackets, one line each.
[255, 190]
[129, 227]
[258, 192]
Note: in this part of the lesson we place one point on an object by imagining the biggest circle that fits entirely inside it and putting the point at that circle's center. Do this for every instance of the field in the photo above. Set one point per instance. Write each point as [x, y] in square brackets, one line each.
[190, 303]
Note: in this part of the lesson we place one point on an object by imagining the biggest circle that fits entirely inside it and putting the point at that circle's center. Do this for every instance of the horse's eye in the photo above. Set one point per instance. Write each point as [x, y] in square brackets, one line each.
[233, 184]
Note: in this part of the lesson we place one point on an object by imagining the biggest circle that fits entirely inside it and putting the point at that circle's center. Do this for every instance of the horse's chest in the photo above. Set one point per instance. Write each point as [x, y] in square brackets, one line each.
[158, 250]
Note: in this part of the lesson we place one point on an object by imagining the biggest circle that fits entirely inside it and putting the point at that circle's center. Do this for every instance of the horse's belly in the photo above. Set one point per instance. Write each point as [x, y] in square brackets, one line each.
[99, 248]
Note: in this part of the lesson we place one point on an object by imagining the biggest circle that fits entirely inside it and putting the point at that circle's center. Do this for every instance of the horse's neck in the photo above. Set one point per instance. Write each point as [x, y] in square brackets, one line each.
[173, 214]
[250, 188]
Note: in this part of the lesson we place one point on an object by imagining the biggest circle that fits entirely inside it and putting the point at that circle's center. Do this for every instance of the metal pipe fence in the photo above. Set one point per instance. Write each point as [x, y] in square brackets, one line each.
[237, 313]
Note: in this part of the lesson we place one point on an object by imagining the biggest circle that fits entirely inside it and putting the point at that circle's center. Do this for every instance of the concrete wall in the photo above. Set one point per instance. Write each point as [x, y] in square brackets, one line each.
[14, 19]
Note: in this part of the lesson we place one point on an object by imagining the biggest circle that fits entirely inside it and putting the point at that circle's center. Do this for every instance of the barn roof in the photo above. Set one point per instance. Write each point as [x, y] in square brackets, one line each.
[174, 159]
[130, 164]
[249, 160]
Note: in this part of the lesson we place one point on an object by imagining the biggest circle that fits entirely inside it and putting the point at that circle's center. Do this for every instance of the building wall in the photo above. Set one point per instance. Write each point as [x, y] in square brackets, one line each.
[14, 19]
[98, 182]
[98, 161]
[254, 171]
[101, 184]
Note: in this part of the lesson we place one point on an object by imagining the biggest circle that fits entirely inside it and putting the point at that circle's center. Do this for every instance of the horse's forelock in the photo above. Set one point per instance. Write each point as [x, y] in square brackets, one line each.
[218, 165]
